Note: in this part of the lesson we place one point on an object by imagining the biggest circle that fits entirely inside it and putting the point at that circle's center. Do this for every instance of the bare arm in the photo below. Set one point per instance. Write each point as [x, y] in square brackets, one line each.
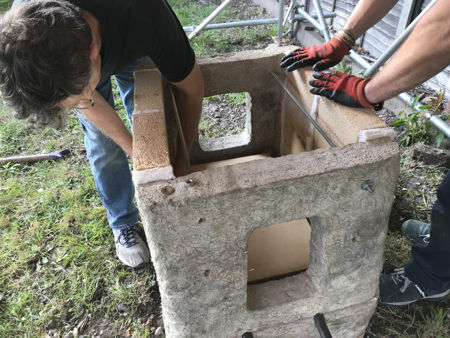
[425, 53]
[104, 117]
[188, 95]
[366, 14]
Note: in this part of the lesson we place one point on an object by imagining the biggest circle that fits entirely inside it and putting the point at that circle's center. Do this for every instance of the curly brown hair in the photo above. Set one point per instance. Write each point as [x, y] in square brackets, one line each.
[44, 58]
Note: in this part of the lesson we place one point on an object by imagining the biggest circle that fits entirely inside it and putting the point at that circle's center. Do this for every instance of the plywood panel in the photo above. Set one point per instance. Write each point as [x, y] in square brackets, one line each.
[278, 249]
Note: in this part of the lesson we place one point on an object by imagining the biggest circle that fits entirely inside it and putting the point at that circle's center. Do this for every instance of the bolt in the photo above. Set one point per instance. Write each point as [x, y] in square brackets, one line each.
[190, 182]
[367, 185]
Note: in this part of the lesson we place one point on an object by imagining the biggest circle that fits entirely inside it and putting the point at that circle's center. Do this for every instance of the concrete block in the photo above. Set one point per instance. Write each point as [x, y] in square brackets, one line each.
[151, 159]
[201, 234]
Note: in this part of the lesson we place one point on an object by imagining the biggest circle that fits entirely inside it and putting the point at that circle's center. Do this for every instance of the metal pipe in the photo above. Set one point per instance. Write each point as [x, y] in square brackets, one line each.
[280, 22]
[359, 59]
[251, 22]
[292, 20]
[288, 13]
[310, 19]
[294, 99]
[437, 122]
[209, 18]
[325, 31]
[396, 44]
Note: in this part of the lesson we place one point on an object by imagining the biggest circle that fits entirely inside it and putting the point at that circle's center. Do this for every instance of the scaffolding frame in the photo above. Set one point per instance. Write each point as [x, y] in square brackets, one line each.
[318, 21]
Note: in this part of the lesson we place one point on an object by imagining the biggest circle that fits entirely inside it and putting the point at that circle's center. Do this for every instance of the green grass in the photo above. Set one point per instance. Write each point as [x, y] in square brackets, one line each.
[57, 260]
[209, 127]
[58, 269]
[213, 42]
[5, 5]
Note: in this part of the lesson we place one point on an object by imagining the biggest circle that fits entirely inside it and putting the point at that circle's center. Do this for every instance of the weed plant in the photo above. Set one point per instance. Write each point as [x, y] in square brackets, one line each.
[416, 127]
[344, 67]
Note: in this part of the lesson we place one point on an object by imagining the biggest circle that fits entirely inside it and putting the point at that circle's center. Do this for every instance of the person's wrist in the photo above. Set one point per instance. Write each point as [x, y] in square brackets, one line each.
[339, 48]
[368, 96]
[346, 36]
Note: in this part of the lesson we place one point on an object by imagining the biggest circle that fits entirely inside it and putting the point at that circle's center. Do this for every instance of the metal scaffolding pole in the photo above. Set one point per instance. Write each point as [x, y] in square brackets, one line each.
[209, 18]
[243, 23]
[326, 32]
[280, 22]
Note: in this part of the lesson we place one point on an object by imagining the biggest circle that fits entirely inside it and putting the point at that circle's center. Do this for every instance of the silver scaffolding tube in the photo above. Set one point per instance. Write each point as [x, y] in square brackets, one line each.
[280, 22]
[269, 21]
[326, 32]
[209, 18]
[311, 20]
[436, 121]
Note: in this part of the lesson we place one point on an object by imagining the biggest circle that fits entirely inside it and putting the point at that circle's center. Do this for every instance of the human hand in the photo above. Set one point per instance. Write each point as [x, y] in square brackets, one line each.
[321, 57]
[342, 88]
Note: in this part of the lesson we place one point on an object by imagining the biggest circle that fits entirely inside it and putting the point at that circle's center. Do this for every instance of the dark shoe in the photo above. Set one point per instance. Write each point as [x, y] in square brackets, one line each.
[417, 232]
[398, 290]
[130, 247]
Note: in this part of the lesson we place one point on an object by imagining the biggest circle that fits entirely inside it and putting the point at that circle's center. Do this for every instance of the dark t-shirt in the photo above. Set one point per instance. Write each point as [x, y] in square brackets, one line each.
[131, 29]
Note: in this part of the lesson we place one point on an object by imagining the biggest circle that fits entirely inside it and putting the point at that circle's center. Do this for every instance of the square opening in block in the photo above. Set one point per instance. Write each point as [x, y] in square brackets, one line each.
[225, 121]
[278, 250]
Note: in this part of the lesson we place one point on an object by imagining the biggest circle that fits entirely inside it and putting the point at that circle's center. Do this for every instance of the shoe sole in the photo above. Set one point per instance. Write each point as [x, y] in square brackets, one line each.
[434, 298]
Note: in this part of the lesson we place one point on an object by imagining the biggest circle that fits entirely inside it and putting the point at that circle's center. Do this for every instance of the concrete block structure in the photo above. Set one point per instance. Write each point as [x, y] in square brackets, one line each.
[274, 200]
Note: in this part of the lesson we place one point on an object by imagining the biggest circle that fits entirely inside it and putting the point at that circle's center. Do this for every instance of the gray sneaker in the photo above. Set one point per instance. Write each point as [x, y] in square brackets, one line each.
[416, 232]
[130, 247]
[398, 290]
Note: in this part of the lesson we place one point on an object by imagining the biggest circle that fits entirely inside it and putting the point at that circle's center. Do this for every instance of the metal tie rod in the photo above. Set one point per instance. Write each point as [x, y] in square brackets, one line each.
[314, 123]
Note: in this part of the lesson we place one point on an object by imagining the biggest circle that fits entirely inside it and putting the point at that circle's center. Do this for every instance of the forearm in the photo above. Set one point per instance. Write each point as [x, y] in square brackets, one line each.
[366, 14]
[104, 117]
[425, 53]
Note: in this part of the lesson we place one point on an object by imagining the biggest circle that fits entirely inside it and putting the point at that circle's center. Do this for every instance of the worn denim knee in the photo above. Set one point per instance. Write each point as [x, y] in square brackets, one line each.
[108, 161]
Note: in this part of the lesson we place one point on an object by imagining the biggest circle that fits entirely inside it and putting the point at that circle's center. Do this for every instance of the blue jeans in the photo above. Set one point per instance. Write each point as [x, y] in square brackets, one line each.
[429, 266]
[108, 161]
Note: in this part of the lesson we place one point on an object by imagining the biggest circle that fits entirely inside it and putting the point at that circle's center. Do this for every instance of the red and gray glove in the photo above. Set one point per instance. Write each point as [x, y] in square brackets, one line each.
[322, 57]
[342, 88]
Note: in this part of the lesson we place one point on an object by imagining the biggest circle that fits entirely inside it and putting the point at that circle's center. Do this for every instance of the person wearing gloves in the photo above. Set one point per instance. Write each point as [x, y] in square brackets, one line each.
[59, 55]
[426, 52]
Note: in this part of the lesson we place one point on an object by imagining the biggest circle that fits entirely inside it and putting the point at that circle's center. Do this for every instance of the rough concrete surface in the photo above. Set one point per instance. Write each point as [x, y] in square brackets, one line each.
[198, 232]
[198, 236]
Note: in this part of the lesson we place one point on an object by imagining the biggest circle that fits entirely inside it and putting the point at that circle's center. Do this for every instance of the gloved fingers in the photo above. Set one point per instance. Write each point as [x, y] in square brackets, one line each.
[286, 62]
[318, 84]
[291, 54]
[322, 92]
[324, 64]
[301, 63]
[337, 96]
[323, 76]
[345, 99]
